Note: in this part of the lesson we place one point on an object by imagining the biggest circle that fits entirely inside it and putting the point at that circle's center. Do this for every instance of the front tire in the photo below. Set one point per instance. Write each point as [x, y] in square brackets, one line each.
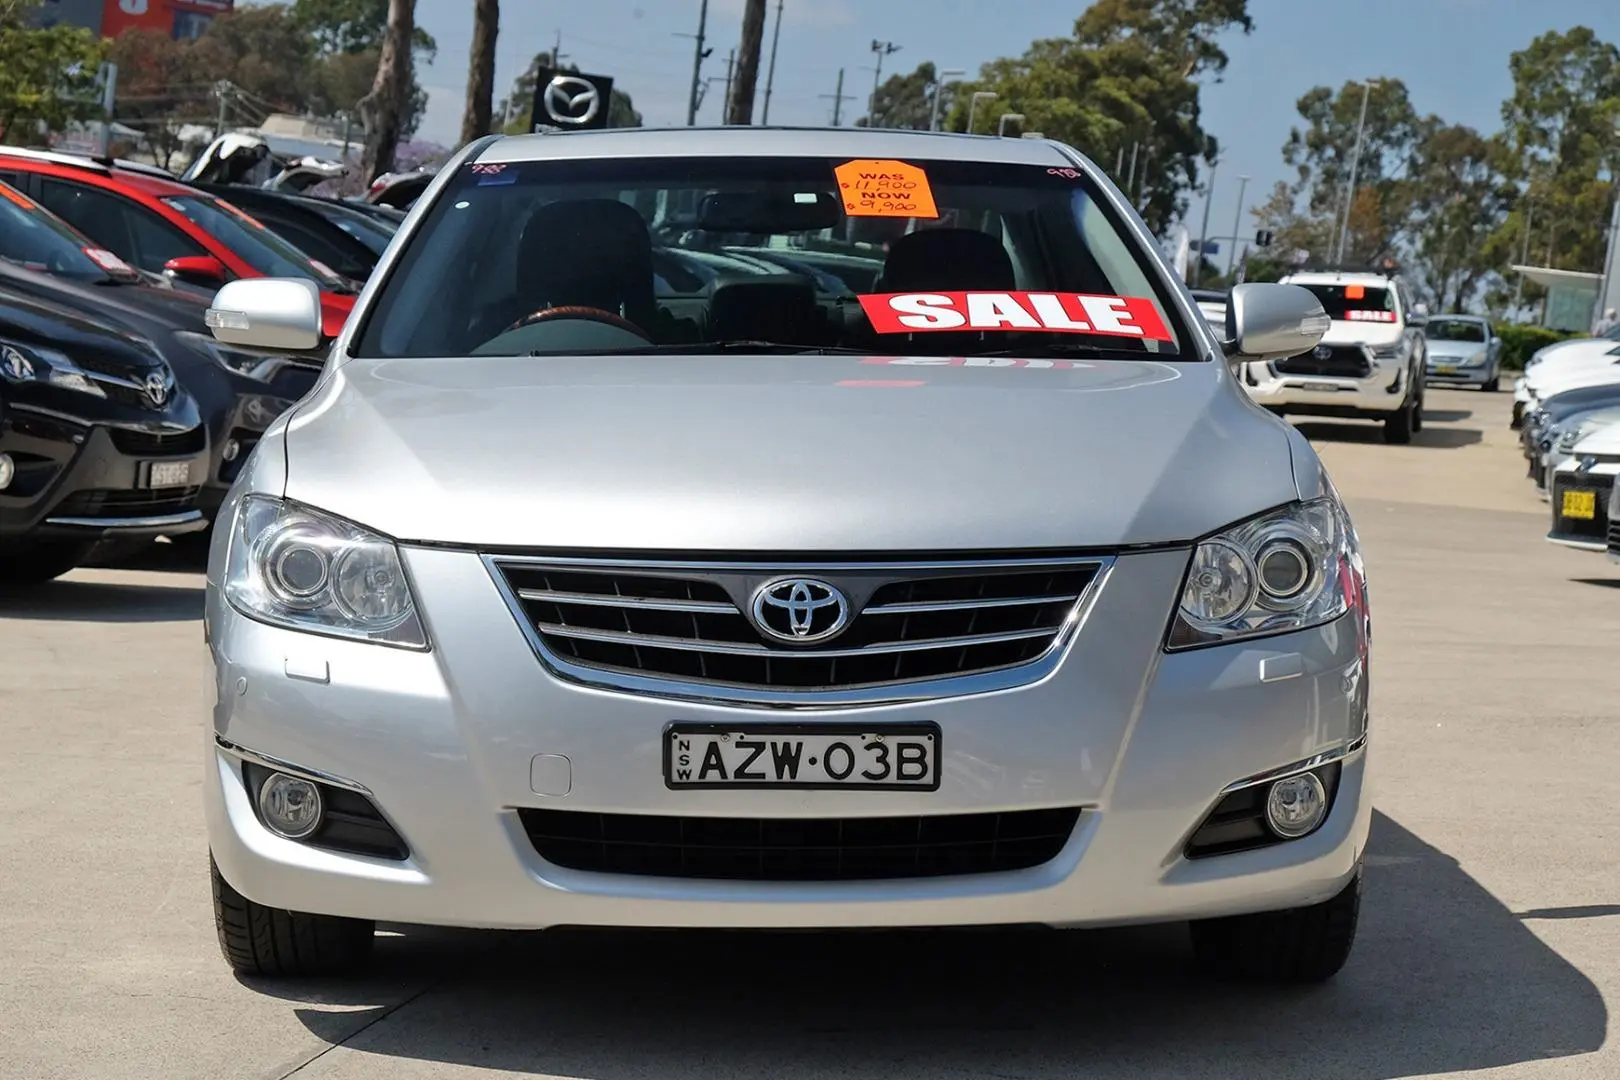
[258, 940]
[28, 564]
[1492, 384]
[1299, 945]
[1398, 427]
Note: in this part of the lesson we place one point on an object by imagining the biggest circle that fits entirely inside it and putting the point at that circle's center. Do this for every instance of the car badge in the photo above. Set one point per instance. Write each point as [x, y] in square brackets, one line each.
[1322, 352]
[802, 611]
[572, 100]
[157, 388]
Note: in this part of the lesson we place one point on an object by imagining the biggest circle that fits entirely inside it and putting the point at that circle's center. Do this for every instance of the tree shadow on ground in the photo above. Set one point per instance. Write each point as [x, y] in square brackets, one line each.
[1444, 979]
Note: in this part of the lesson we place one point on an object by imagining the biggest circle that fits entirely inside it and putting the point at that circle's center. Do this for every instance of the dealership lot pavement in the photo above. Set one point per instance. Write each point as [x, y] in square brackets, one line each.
[1490, 932]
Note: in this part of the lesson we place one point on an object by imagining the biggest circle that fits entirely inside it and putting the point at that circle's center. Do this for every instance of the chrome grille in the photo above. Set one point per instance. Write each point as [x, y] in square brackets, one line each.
[664, 627]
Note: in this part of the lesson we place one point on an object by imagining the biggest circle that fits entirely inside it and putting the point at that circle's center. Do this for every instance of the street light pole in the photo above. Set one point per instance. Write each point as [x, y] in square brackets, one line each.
[1355, 165]
[1237, 224]
[1203, 232]
[939, 88]
[1001, 125]
[882, 48]
[973, 105]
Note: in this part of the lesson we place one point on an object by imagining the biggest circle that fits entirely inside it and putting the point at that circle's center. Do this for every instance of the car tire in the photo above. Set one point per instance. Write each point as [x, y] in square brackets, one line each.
[1398, 425]
[1299, 945]
[259, 940]
[27, 564]
[1417, 413]
[1492, 384]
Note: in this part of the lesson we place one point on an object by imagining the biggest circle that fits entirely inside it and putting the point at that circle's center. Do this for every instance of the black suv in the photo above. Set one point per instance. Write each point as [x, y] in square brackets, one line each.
[97, 439]
[238, 392]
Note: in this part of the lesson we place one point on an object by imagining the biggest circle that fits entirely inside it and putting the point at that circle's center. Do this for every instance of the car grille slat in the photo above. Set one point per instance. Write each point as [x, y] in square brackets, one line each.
[799, 849]
[689, 622]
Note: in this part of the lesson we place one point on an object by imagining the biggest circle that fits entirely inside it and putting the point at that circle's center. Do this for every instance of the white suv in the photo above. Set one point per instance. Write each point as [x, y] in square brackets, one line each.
[1369, 365]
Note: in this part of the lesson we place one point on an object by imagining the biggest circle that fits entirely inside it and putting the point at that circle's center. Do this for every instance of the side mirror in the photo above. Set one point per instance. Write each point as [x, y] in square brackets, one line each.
[1418, 316]
[267, 313]
[1273, 322]
[197, 269]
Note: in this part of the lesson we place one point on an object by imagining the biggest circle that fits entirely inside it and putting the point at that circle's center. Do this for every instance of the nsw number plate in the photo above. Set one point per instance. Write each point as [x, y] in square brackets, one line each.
[167, 474]
[892, 756]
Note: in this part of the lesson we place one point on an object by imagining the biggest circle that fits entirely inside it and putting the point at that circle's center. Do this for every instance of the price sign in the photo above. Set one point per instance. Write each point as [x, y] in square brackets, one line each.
[880, 188]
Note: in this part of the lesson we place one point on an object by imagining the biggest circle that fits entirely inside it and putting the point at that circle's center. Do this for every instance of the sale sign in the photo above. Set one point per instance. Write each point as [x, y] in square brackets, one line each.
[1053, 312]
[1370, 316]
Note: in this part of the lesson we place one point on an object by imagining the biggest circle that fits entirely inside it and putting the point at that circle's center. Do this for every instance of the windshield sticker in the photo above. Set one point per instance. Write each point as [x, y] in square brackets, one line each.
[17, 197]
[1369, 316]
[108, 261]
[872, 187]
[1355, 292]
[1062, 313]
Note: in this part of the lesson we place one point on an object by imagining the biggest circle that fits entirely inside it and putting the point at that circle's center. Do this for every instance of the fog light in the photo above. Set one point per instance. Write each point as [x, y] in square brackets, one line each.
[1296, 805]
[291, 806]
[8, 471]
[229, 451]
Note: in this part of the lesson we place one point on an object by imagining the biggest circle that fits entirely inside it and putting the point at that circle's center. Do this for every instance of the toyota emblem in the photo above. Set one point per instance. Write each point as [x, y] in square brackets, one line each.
[572, 100]
[1322, 352]
[157, 387]
[800, 610]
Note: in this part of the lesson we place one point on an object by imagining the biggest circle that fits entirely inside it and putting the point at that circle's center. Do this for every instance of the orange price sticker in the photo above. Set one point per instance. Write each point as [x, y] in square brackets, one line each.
[1355, 292]
[873, 187]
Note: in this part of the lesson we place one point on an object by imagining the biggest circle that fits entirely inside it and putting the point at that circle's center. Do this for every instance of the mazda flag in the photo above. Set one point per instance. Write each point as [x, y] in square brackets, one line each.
[571, 100]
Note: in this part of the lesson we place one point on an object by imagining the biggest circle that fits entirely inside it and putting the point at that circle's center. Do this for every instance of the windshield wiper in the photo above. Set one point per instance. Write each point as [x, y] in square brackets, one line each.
[705, 348]
[1066, 350]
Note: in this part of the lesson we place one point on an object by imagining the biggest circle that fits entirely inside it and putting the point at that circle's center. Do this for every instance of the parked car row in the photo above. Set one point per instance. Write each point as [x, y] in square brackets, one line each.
[1566, 407]
[121, 416]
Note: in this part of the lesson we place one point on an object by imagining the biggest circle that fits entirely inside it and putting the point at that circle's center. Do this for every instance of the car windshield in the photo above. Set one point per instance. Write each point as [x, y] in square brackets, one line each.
[250, 241]
[369, 231]
[1354, 303]
[963, 259]
[33, 237]
[1455, 330]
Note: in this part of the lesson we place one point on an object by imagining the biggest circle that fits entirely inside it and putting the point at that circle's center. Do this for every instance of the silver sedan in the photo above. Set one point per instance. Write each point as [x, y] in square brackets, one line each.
[580, 592]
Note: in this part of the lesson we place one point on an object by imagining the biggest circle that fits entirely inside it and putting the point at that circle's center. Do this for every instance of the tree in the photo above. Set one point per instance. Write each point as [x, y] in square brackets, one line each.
[741, 106]
[48, 76]
[381, 109]
[158, 90]
[518, 105]
[357, 28]
[1128, 77]
[1459, 201]
[259, 48]
[1560, 140]
[481, 70]
[907, 101]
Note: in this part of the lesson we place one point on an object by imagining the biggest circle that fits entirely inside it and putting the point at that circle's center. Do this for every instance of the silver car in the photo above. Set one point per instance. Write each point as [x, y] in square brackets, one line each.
[1464, 351]
[985, 596]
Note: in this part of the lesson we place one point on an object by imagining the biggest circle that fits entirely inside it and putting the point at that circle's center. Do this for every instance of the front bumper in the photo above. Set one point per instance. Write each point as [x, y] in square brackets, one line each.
[1580, 501]
[1378, 395]
[86, 482]
[445, 742]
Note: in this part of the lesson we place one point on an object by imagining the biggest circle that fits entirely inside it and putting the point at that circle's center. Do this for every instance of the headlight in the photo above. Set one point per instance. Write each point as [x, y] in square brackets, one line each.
[1284, 571]
[34, 364]
[1388, 352]
[305, 570]
[255, 365]
[1567, 441]
[1475, 360]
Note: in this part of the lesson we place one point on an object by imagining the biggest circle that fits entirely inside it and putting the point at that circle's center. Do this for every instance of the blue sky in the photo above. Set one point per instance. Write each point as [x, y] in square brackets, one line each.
[1452, 54]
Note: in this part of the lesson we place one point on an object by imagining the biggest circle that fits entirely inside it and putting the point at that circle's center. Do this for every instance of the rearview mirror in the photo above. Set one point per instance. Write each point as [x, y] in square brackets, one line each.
[1273, 322]
[769, 212]
[267, 313]
[197, 269]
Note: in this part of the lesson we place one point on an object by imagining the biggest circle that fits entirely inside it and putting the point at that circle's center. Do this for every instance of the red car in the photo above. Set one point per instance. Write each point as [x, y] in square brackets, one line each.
[149, 220]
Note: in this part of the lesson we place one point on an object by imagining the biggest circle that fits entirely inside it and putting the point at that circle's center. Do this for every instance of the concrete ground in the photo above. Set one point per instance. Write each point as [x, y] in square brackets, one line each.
[1490, 935]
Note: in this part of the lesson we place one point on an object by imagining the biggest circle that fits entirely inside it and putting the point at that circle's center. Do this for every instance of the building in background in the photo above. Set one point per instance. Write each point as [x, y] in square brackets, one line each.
[109, 18]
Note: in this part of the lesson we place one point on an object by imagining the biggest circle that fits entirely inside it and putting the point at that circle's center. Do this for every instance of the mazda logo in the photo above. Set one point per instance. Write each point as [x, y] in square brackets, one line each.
[157, 387]
[570, 99]
[800, 610]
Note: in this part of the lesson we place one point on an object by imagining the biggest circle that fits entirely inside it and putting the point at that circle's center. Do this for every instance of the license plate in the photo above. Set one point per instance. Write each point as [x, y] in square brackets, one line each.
[1580, 504]
[886, 756]
[1445, 369]
[164, 474]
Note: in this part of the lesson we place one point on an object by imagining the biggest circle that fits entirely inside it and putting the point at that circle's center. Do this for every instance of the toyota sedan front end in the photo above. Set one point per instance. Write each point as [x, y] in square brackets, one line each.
[578, 595]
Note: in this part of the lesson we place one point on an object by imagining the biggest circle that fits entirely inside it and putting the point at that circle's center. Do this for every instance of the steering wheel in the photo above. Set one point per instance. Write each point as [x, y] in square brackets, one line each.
[580, 311]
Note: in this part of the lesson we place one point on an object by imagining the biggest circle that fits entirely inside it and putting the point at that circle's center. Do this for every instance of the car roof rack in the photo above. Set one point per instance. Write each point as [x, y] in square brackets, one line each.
[85, 161]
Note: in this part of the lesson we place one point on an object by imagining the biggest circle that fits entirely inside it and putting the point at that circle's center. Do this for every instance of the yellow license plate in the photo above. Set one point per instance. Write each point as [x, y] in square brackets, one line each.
[1580, 504]
[1445, 369]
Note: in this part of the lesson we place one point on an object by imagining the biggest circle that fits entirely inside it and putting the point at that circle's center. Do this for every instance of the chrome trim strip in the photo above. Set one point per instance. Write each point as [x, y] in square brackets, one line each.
[160, 521]
[289, 768]
[1326, 757]
[742, 648]
[893, 693]
[644, 603]
[915, 607]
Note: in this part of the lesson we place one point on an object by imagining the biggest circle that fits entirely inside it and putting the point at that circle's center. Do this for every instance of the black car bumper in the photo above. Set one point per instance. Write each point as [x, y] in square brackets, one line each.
[1580, 509]
[84, 482]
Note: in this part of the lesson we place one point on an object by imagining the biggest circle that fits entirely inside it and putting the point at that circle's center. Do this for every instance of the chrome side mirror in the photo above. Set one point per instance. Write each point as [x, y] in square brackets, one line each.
[1272, 322]
[267, 313]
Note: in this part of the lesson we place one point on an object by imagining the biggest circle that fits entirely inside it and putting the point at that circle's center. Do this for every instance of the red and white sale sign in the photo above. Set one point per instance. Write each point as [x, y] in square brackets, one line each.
[1052, 312]
[1370, 316]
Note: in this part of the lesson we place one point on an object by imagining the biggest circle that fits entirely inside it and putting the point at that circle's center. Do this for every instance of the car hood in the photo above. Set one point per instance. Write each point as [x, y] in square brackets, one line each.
[785, 454]
[1586, 373]
[1604, 438]
[1343, 332]
[1455, 350]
